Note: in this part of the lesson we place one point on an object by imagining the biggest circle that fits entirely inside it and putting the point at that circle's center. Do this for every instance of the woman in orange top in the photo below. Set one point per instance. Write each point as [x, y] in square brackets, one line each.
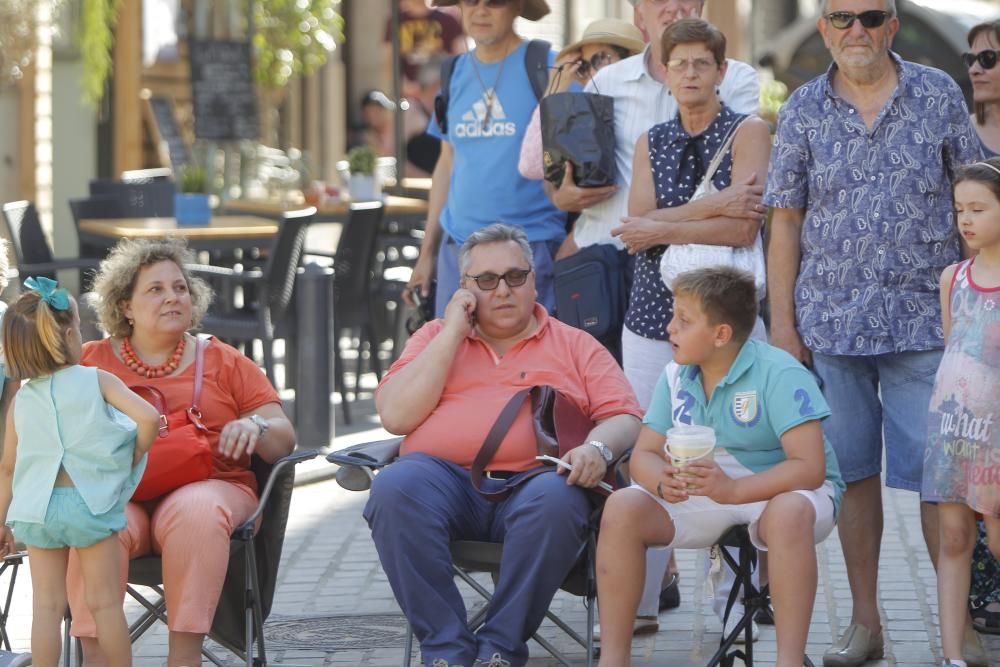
[147, 303]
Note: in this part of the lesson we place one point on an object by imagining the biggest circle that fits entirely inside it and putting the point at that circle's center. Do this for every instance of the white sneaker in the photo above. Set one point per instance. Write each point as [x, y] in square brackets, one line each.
[741, 638]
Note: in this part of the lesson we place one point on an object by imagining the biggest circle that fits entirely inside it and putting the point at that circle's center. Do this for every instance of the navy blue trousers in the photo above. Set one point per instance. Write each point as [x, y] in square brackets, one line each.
[420, 503]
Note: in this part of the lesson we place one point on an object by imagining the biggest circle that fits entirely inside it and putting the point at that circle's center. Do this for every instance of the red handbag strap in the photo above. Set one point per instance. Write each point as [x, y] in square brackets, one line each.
[492, 442]
[155, 398]
[194, 412]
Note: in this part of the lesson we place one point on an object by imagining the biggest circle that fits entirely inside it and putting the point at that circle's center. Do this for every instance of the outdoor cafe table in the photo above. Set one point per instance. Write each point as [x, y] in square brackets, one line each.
[407, 211]
[224, 232]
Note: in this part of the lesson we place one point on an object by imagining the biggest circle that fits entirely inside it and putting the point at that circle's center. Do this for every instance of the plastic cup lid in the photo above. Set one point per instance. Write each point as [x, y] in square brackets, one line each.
[691, 434]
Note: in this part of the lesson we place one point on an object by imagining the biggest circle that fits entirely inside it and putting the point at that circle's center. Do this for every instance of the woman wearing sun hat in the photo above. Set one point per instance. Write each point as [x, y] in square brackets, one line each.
[604, 41]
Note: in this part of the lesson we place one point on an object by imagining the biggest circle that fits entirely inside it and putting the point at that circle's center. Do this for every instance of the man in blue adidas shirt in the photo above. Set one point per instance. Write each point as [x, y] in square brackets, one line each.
[772, 468]
[476, 182]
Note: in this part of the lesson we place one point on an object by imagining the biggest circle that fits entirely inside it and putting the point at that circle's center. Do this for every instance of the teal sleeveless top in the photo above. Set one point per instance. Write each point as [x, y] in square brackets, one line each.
[63, 420]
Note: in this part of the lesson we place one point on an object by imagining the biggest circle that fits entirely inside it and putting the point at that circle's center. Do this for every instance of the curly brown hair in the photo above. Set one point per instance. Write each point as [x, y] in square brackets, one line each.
[115, 280]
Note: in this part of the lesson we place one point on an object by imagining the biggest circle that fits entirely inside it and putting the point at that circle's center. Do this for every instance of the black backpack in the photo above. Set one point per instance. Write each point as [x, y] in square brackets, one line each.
[536, 64]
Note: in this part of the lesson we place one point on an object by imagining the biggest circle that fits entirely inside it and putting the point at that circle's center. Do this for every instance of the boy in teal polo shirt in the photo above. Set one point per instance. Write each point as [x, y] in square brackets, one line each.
[772, 467]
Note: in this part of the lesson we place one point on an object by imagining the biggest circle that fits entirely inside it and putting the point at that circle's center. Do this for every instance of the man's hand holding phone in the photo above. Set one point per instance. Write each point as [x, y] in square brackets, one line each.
[460, 313]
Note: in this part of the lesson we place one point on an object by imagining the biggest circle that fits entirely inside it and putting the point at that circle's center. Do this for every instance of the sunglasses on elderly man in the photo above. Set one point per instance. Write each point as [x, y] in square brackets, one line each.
[987, 59]
[490, 281]
[491, 4]
[873, 18]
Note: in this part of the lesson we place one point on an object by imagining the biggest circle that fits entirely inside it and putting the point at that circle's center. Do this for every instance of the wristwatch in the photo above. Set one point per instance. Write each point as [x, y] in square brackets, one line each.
[605, 451]
[261, 424]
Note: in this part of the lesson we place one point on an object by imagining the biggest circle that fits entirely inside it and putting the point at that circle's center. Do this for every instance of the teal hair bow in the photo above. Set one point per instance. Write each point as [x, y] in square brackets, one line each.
[51, 293]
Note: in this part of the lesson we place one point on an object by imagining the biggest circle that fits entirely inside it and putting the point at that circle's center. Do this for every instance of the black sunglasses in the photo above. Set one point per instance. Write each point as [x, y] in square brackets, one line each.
[873, 18]
[987, 59]
[490, 281]
[596, 62]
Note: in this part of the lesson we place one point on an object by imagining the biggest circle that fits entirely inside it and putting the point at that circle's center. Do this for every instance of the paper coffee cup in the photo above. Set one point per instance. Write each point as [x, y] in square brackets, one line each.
[687, 443]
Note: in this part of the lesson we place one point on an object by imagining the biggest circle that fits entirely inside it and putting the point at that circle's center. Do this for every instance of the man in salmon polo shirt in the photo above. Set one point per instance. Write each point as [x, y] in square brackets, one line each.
[444, 393]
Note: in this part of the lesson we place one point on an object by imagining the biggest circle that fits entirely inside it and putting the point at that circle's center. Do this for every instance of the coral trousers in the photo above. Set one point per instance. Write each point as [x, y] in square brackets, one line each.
[189, 529]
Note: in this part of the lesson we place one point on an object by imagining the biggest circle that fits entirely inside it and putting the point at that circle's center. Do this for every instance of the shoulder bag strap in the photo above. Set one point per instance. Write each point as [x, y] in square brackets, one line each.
[194, 412]
[154, 397]
[492, 443]
[720, 154]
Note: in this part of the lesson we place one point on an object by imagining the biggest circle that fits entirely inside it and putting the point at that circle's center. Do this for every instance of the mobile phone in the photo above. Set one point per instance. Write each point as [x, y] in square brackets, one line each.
[569, 466]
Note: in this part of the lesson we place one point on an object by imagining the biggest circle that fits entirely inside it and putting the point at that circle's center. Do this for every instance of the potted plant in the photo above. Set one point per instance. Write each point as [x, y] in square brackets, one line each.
[362, 183]
[191, 205]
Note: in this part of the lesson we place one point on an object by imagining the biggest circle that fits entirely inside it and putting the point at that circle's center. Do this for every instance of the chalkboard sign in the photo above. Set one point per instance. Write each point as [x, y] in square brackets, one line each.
[225, 106]
[169, 133]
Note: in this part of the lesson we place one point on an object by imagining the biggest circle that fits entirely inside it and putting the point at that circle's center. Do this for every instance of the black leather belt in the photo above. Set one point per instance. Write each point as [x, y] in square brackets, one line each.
[499, 474]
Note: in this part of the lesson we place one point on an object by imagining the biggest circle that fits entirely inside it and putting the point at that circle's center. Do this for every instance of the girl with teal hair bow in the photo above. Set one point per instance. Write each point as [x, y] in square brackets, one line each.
[74, 451]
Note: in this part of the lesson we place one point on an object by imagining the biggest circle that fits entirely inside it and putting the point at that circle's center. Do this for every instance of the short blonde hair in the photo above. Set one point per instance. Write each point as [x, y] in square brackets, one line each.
[116, 277]
[727, 296]
[34, 336]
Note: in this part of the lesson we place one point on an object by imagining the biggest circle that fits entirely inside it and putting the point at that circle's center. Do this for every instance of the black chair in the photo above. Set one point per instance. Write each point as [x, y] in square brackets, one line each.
[753, 599]
[151, 199]
[249, 586]
[31, 249]
[354, 267]
[270, 312]
[103, 207]
[358, 466]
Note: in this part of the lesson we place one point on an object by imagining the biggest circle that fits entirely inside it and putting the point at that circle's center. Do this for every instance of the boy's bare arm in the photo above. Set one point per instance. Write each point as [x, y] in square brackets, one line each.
[804, 468]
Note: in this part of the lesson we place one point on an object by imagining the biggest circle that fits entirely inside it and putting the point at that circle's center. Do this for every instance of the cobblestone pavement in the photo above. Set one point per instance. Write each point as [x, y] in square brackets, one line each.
[334, 607]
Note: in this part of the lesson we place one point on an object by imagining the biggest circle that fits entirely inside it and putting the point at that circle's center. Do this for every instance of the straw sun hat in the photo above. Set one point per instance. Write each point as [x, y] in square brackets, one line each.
[608, 31]
[530, 9]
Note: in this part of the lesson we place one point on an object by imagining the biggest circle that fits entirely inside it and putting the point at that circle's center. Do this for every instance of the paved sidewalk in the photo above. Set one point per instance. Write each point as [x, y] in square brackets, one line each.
[334, 607]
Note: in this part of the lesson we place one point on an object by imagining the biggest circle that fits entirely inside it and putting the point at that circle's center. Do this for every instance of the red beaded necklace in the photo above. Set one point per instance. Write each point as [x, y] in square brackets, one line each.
[140, 367]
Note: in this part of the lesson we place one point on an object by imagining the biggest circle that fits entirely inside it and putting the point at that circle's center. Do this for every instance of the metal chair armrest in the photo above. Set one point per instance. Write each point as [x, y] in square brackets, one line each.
[290, 460]
[214, 272]
[358, 463]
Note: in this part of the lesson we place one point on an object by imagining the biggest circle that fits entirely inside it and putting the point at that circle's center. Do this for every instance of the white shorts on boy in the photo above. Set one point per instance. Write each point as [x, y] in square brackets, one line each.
[699, 521]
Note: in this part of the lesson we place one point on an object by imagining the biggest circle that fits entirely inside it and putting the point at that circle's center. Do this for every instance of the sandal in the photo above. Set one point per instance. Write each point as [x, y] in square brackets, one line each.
[985, 620]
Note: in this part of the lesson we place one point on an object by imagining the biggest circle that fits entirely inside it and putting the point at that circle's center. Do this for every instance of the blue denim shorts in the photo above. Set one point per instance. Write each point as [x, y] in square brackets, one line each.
[69, 522]
[876, 399]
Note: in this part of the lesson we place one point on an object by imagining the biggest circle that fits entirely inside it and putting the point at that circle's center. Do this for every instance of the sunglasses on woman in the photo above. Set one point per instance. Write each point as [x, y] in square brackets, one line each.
[987, 59]
[491, 4]
[873, 18]
[596, 62]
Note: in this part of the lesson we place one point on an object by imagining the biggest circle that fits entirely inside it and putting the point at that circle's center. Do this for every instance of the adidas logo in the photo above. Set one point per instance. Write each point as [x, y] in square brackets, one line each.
[477, 123]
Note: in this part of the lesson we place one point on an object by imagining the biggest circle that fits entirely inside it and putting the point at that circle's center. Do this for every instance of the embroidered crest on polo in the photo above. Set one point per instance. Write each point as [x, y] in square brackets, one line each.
[486, 118]
[746, 408]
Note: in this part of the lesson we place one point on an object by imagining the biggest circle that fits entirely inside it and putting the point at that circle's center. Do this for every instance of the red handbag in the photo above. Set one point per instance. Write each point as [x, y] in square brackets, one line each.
[182, 453]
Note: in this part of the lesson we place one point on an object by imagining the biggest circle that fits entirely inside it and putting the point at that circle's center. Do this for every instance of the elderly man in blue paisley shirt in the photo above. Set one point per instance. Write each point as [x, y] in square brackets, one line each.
[860, 181]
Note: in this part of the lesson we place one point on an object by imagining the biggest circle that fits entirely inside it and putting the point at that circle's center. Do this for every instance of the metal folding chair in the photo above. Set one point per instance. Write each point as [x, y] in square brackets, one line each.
[753, 599]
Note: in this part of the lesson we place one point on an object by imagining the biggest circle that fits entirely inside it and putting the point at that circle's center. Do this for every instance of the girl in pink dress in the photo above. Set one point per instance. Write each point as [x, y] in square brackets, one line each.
[962, 460]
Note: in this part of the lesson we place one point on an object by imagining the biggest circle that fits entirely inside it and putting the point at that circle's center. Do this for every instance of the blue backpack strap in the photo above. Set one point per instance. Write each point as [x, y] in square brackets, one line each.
[441, 101]
[536, 64]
